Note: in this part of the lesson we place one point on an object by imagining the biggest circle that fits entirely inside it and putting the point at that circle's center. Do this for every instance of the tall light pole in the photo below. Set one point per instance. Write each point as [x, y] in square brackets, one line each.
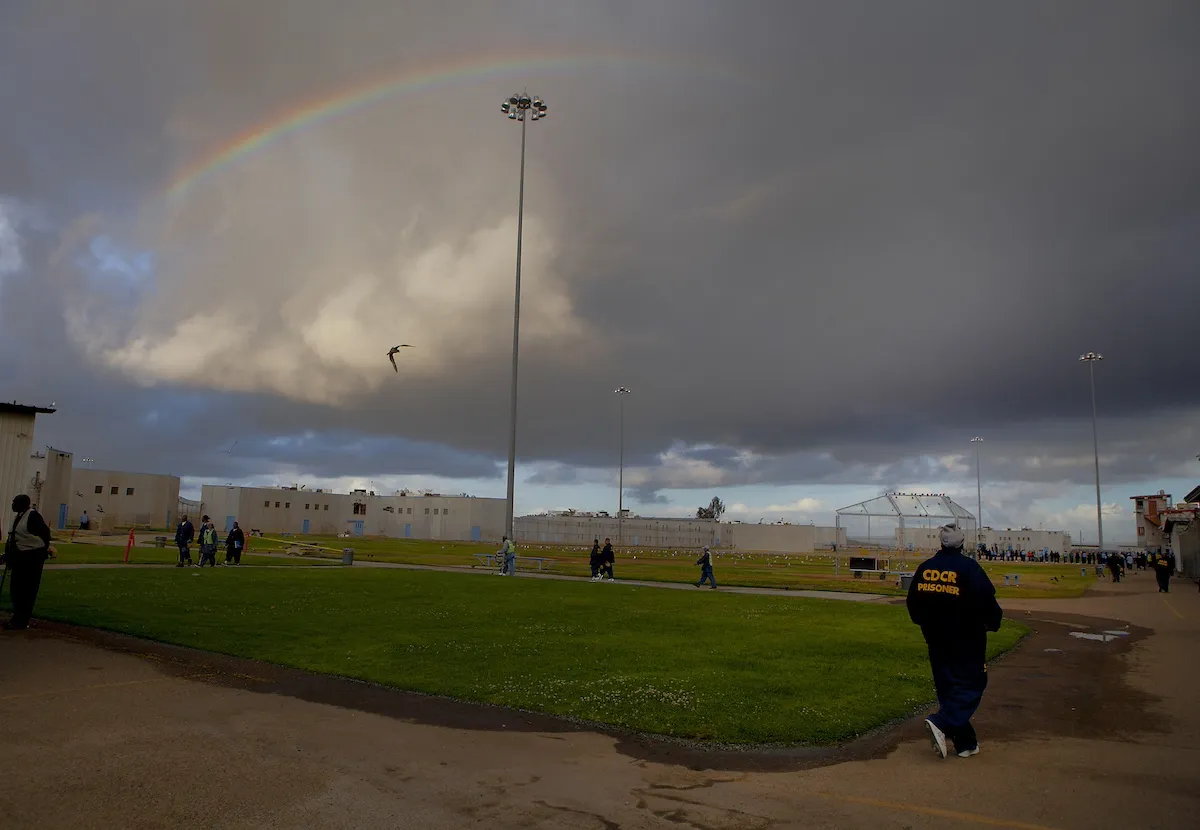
[1091, 359]
[978, 493]
[621, 392]
[521, 108]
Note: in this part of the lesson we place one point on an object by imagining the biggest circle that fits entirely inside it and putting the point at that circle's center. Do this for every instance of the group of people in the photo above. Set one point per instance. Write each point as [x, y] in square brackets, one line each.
[602, 560]
[1163, 565]
[185, 534]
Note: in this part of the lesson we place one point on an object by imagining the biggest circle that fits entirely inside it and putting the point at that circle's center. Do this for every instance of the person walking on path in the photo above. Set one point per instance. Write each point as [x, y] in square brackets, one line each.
[1114, 565]
[25, 552]
[234, 542]
[508, 557]
[1164, 567]
[607, 559]
[594, 560]
[706, 571]
[208, 544]
[954, 603]
[184, 534]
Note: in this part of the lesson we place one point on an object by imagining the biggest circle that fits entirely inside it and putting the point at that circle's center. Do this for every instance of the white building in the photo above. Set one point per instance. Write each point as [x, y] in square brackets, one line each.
[119, 499]
[402, 515]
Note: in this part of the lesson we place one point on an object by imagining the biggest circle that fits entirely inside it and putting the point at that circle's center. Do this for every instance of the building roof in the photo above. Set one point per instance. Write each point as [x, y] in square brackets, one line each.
[1193, 497]
[15, 408]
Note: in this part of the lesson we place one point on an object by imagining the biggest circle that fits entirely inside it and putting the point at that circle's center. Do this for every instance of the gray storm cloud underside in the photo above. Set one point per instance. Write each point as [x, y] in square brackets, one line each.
[840, 236]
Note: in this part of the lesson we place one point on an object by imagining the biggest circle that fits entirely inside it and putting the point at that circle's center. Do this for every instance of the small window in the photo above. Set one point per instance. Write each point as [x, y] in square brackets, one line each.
[326, 507]
[306, 507]
[129, 491]
[99, 489]
[287, 505]
[277, 504]
[114, 490]
[435, 511]
[446, 511]
[426, 511]
[266, 504]
[410, 511]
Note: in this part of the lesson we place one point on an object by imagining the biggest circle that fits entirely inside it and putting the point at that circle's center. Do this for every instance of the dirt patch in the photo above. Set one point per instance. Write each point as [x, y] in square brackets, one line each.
[1054, 685]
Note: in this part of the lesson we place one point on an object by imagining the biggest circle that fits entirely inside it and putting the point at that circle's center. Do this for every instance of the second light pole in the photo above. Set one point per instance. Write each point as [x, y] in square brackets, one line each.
[621, 392]
[1091, 359]
[521, 108]
[978, 494]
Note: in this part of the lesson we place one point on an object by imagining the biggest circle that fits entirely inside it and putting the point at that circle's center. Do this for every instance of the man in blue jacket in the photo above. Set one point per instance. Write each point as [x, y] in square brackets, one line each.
[184, 534]
[954, 602]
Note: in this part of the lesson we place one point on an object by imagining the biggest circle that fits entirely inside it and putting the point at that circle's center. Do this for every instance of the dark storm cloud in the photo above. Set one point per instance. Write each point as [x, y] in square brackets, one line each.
[821, 242]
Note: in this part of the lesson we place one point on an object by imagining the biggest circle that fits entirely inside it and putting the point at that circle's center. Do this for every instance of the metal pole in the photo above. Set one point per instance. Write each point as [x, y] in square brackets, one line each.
[978, 498]
[1096, 450]
[512, 435]
[621, 478]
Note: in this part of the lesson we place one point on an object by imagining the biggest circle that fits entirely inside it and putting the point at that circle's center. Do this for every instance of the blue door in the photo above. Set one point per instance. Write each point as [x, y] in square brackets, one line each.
[476, 533]
[305, 526]
[358, 528]
[62, 516]
[229, 520]
[408, 531]
[168, 524]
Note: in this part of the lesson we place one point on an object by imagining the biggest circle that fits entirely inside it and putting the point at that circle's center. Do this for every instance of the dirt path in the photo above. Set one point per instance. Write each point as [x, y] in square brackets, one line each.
[1077, 732]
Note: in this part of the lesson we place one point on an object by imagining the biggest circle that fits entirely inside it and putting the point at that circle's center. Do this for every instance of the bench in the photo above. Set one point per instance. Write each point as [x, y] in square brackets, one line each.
[491, 560]
[1016, 579]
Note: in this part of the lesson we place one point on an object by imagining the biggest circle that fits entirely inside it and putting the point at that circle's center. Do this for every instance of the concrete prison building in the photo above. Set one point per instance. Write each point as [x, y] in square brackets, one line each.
[1163, 526]
[922, 538]
[402, 515]
[116, 499]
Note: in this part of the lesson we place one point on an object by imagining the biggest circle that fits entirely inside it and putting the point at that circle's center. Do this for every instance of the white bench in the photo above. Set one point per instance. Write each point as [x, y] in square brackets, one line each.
[491, 560]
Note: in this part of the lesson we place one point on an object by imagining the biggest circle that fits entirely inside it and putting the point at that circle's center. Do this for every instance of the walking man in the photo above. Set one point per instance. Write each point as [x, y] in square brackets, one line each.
[25, 553]
[706, 571]
[208, 544]
[954, 602]
[234, 542]
[594, 560]
[508, 555]
[607, 558]
[1164, 566]
[184, 534]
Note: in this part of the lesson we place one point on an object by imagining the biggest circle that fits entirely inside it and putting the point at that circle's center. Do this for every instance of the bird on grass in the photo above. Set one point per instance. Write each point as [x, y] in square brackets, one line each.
[392, 355]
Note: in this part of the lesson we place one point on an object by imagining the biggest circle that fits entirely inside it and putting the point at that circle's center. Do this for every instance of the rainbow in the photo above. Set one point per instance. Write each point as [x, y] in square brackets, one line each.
[364, 94]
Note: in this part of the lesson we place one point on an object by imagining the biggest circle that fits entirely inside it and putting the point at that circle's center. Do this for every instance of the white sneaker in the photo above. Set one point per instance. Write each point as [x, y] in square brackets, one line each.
[967, 753]
[936, 737]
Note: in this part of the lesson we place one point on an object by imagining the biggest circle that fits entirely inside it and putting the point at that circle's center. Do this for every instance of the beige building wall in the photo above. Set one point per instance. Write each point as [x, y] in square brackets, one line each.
[116, 499]
[413, 516]
[16, 446]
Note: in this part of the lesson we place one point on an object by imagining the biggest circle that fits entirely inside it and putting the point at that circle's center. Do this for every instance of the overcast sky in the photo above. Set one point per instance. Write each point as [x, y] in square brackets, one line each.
[825, 244]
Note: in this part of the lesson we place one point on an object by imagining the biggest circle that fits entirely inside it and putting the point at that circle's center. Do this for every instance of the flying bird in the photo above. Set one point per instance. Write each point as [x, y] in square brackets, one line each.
[230, 450]
[392, 355]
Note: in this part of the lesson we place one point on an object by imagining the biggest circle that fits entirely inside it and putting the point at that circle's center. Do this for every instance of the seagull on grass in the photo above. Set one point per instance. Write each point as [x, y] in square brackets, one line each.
[392, 355]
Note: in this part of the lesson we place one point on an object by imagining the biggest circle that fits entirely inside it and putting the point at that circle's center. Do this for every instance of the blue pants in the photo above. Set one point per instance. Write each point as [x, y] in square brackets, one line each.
[960, 685]
[707, 574]
[510, 564]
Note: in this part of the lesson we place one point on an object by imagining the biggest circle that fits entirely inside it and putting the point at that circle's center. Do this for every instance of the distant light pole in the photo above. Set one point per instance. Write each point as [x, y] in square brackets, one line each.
[621, 392]
[521, 108]
[1091, 359]
[978, 492]
[88, 461]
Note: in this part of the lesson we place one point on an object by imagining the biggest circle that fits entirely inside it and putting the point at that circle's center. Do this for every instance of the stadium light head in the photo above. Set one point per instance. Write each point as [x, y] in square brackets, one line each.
[1090, 357]
[621, 390]
[517, 107]
[976, 440]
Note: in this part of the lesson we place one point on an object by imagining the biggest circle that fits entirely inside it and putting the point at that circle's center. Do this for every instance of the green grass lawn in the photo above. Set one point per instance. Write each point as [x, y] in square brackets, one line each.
[814, 571]
[702, 665]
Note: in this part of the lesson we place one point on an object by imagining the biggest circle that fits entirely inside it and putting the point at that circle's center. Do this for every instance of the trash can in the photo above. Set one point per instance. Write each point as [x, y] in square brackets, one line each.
[160, 541]
[905, 581]
[347, 556]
